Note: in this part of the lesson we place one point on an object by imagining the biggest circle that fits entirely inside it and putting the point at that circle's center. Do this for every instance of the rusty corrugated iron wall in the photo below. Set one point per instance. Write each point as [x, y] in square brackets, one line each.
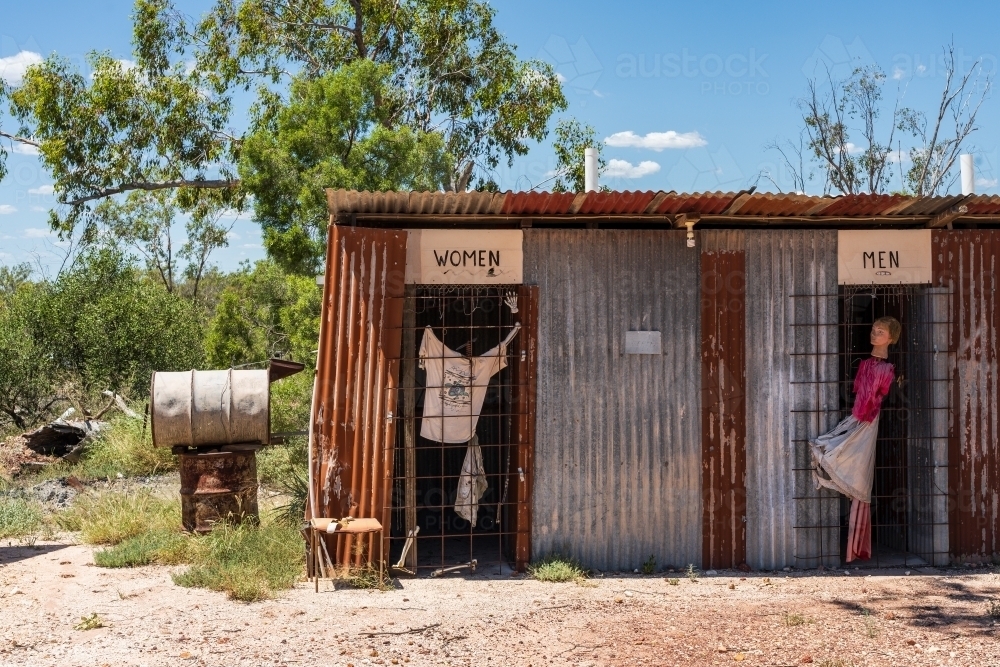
[791, 332]
[357, 370]
[618, 437]
[723, 398]
[967, 262]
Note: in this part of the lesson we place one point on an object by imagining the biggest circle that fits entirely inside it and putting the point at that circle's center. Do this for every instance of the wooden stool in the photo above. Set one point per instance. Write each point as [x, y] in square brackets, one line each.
[348, 526]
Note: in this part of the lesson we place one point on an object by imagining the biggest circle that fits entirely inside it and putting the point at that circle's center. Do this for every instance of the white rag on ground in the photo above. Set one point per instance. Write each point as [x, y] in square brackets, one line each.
[847, 456]
[471, 483]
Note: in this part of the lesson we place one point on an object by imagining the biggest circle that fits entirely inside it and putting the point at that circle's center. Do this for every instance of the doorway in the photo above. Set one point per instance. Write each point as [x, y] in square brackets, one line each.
[440, 532]
[909, 494]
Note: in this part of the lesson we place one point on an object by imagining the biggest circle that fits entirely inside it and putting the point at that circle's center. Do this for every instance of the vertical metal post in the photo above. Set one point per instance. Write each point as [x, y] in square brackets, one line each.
[409, 419]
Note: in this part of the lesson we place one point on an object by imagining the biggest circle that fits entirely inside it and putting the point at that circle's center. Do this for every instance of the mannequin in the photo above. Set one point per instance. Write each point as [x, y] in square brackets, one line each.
[844, 458]
[456, 390]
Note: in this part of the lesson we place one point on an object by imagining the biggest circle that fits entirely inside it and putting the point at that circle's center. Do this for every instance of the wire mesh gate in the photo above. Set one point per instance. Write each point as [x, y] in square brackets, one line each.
[909, 508]
[471, 320]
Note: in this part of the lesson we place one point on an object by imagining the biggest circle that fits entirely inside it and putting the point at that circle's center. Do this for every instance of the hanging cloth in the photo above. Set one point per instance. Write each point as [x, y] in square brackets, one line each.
[471, 483]
[456, 388]
[845, 457]
[859, 532]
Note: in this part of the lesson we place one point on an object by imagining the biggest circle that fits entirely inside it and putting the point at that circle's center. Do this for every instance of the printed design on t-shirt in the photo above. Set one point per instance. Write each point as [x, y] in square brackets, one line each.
[457, 382]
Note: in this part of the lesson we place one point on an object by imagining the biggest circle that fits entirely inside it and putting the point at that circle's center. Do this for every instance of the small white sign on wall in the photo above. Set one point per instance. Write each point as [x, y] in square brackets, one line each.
[890, 257]
[643, 342]
[465, 257]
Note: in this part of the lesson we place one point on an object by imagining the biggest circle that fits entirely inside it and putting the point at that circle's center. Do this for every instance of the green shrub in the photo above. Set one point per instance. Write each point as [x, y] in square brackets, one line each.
[245, 561]
[556, 569]
[125, 448]
[159, 547]
[277, 463]
[111, 518]
[107, 323]
[19, 517]
[264, 311]
[28, 371]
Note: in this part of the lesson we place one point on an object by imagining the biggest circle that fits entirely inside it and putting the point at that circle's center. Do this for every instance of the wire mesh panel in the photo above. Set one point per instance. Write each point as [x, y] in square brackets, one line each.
[439, 521]
[909, 502]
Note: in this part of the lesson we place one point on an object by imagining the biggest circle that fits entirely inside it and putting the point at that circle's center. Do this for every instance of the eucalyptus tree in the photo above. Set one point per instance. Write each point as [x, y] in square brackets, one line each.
[379, 94]
[858, 140]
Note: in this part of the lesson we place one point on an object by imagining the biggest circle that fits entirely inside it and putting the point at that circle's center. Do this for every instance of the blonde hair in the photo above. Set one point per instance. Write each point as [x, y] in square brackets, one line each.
[891, 325]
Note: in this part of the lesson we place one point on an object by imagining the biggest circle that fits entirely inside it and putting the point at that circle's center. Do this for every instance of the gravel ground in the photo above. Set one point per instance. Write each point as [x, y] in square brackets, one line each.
[928, 618]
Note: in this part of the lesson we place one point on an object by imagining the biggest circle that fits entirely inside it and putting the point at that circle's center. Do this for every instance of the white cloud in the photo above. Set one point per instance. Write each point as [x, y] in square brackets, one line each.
[24, 149]
[7, 209]
[898, 73]
[852, 149]
[232, 236]
[39, 209]
[986, 182]
[624, 169]
[251, 245]
[921, 69]
[37, 233]
[12, 68]
[44, 190]
[656, 141]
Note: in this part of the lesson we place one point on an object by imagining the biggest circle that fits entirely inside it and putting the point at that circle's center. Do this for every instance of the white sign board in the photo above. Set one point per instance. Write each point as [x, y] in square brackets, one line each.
[465, 257]
[892, 257]
[643, 342]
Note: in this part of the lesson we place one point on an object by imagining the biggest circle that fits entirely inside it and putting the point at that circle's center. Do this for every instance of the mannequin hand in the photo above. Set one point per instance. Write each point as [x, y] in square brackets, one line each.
[511, 300]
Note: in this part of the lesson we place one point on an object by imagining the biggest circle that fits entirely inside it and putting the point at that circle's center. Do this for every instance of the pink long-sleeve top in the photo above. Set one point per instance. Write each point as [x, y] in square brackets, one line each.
[871, 385]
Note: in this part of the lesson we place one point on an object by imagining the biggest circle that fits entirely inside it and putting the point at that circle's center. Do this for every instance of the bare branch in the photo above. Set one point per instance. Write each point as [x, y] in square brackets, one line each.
[20, 140]
[152, 187]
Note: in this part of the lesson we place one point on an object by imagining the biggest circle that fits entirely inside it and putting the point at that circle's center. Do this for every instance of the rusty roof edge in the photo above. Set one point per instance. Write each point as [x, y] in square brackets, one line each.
[739, 200]
[746, 203]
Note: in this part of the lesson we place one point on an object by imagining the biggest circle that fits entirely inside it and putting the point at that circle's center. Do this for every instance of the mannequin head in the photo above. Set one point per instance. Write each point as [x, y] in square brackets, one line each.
[885, 331]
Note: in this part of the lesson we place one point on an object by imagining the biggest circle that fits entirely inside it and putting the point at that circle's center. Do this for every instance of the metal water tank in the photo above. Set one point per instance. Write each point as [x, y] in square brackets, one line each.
[206, 408]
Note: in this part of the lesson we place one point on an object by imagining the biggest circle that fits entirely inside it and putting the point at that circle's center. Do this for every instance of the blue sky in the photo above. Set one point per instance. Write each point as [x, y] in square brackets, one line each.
[687, 94]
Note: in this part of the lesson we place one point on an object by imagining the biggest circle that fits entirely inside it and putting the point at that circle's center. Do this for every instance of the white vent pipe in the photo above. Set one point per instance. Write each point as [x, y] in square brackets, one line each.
[968, 174]
[590, 170]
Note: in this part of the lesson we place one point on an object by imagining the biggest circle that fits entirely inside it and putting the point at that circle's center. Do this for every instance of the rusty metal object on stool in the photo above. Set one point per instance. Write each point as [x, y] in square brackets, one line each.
[218, 486]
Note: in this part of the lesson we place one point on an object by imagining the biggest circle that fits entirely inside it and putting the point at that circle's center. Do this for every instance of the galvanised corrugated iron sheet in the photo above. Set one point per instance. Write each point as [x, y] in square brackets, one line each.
[968, 262]
[733, 204]
[723, 399]
[789, 313]
[618, 437]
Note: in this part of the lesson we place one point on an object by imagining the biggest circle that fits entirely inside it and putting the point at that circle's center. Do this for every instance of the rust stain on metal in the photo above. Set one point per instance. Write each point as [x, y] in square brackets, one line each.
[352, 433]
[967, 262]
[723, 381]
[218, 486]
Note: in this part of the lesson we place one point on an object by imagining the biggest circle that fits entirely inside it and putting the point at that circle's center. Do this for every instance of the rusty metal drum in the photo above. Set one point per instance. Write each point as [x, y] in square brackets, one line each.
[210, 408]
[216, 487]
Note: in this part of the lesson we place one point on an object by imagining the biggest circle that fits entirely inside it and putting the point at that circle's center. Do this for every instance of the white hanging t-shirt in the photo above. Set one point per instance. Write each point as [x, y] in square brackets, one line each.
[456, 388]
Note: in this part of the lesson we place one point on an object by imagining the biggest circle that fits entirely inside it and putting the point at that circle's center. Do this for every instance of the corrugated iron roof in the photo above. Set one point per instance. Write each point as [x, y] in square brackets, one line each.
[651, 204]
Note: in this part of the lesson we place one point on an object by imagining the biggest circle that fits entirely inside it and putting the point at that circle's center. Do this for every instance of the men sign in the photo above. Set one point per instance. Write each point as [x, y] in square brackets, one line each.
[464, 257]
[890, 257]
